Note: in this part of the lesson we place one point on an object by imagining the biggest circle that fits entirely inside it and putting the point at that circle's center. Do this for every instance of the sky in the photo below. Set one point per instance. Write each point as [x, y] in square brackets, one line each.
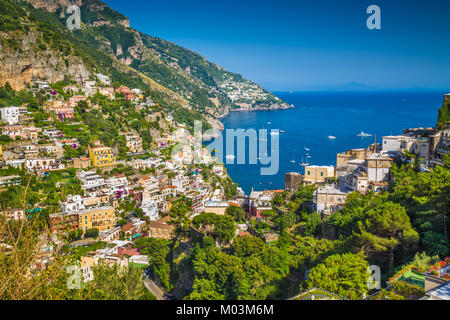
[296, 45]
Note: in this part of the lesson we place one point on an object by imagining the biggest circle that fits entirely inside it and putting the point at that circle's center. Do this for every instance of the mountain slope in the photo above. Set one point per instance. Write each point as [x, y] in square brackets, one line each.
[36, 44]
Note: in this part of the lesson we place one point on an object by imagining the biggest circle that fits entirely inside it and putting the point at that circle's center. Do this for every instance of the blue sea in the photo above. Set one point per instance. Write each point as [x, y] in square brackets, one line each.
[320, 114]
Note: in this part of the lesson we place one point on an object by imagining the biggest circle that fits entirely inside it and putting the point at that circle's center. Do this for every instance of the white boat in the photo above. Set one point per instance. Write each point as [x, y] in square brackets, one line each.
[304, 164]
[274, 133]
[292, 161]
[269, 123]
[230, 156]
[331, 137]
[363, 134]
[282, 131]
[307, 149]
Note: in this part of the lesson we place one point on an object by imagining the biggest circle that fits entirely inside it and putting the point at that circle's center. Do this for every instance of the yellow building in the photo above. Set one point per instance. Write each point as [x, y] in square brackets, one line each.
[102, 218]
[317, 174]
[102, 157]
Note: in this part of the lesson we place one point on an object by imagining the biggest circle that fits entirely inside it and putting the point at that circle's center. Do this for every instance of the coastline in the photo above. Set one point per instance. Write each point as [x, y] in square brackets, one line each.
[221, 127]
[273, 107]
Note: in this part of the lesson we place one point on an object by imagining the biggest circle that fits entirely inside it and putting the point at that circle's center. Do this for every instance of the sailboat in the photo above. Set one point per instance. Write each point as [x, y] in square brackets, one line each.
[304, 164]
[363, 134]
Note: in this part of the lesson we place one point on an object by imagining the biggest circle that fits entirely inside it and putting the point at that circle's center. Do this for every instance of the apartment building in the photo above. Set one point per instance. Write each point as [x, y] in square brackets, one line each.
[10, 115]
[102, 218]
[134, 142]
[44, 164]
[62, 223]
[102, 157]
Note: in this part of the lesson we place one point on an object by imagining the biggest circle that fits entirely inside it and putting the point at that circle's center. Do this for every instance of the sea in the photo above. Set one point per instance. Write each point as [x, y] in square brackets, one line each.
[318, 115]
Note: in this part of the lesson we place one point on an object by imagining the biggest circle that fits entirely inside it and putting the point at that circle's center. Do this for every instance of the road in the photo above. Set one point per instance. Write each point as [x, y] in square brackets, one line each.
[155, 290]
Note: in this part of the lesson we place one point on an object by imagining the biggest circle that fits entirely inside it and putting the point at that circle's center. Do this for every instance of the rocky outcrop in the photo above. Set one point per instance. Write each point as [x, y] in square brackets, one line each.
[275, 106]
[25, 63]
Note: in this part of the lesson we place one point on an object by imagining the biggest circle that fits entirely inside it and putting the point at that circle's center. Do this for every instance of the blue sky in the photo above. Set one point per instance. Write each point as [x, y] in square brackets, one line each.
[293, 45]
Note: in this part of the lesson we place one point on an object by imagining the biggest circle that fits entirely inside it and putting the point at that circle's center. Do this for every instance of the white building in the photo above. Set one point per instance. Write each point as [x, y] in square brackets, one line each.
[103, 79]
[43, 165]
[378, 167]
[329, 199]
[10, 115]
[91, 180]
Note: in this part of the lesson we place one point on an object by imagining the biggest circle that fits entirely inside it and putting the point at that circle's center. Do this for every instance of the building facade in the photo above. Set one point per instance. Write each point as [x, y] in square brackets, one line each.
[102, 157]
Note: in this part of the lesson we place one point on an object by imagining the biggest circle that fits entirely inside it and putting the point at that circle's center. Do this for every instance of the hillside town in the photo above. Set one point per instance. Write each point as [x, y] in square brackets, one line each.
[106, 192]
[123, 199]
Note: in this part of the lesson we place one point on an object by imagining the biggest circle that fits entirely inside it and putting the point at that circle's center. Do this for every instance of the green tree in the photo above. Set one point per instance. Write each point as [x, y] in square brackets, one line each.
[236, 212]
[225, 229]
[91, 233]
[115, 283]
[345, 275]
[180, 214]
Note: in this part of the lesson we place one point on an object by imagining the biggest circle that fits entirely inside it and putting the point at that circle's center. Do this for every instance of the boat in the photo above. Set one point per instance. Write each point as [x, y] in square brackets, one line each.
[230, 156]
[274, 133]
[304, 164]
[282, 131]
[269, 123]
[292, 161]
[331, 137]
[363, 134]
[307, 149]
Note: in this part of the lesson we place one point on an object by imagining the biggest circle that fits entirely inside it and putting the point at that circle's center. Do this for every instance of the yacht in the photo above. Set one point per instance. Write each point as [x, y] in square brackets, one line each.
[363, 134]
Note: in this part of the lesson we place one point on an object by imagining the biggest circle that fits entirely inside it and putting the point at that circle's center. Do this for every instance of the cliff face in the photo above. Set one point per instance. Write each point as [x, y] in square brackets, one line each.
[24, 62]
